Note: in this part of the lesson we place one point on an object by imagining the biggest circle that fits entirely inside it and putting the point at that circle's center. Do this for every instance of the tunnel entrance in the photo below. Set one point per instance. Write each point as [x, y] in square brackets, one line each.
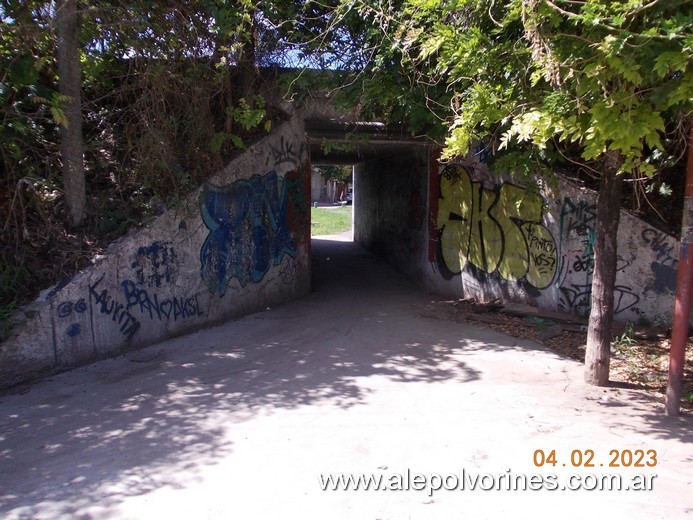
[332, 199]
[332, 227]
[387, 195]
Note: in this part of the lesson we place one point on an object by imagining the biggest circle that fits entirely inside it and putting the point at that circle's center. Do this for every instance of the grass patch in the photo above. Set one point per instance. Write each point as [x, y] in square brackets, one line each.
[330, 221]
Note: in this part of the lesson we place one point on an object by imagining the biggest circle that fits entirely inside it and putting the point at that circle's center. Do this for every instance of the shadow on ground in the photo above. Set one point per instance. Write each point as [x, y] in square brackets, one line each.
[130, 425]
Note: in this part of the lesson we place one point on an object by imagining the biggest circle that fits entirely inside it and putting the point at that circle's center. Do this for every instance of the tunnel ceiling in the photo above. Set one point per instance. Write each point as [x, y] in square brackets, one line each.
[337, 142]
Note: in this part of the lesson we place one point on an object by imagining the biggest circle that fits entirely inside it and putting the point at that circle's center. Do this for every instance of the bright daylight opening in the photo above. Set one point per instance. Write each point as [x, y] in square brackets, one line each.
[332, 197]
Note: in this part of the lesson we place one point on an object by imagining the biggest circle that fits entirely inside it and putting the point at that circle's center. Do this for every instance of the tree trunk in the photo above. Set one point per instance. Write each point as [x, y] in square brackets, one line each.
[601, 320]
[228, 101]
[70, 84]
[247, 62]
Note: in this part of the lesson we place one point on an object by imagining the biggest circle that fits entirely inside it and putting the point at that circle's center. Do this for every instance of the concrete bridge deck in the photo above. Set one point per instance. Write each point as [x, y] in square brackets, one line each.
[239, 420]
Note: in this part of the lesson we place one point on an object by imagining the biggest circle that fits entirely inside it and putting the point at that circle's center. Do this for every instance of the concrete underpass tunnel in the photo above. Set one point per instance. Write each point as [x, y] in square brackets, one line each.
[390, 192]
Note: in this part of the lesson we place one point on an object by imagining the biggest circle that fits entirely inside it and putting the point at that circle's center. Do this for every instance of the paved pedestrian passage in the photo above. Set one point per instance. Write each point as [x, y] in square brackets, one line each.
[284, 413]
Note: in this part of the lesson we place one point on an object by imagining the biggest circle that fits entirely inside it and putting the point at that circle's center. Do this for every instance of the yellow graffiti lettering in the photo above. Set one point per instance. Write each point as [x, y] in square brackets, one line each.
[496, 231]
[513, 205]
[454, 208]
[486, 243]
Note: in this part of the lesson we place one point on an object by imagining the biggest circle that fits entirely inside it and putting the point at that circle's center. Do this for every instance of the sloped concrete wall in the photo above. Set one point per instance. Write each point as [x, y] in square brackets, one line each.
[483, 236]
[240, 244]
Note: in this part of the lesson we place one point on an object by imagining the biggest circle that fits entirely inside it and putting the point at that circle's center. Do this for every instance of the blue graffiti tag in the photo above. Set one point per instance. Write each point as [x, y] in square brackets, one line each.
[105, 303]
[149, 303]
[248, 230]
[73, 330]
[154, 264]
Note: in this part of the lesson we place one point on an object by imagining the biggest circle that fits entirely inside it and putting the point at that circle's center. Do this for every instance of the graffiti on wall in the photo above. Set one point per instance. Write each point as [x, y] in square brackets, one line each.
[71, 311]
[286, 152]
[248, 231]
[253, 224]
[154, 306]
[152, 268]
[496, 230]
[107, 304]
[577, 220]
[154, 264]
[664, 267]
[479, 227]
[577, 237]
[298, 205]
[576, 298]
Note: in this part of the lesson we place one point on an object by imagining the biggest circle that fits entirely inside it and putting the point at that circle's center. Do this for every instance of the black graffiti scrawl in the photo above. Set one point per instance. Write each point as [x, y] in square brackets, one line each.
[248, 231]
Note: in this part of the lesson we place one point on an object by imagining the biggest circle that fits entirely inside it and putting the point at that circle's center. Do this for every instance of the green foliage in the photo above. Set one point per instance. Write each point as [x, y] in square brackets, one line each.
[114, 220]
[248, 118]
[579, 78]
[332, 146]
[625, 340]
[26, 108]
[169, 91]
[5, 324]
[336, 172]
[12, 279]
[22, 71]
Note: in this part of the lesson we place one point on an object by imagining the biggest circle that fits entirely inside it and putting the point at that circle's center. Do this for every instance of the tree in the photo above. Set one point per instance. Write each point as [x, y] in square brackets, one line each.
[335, 172]
[156, 117]
[70, 86]
[606, 85]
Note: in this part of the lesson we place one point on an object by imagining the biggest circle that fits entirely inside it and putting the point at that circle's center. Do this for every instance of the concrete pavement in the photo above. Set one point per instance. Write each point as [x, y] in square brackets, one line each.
[240, 420]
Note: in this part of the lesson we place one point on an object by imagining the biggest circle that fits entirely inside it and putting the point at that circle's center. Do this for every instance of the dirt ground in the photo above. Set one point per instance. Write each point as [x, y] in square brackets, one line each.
[639, 355]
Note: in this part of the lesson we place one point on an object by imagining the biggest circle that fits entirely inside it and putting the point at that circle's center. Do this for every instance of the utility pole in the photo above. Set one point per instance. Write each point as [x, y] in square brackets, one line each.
[684, 295]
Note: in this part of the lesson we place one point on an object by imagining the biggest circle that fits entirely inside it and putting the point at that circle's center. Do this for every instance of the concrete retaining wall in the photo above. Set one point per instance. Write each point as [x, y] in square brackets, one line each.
[485, 237]
[240, 244]
[390, 201]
